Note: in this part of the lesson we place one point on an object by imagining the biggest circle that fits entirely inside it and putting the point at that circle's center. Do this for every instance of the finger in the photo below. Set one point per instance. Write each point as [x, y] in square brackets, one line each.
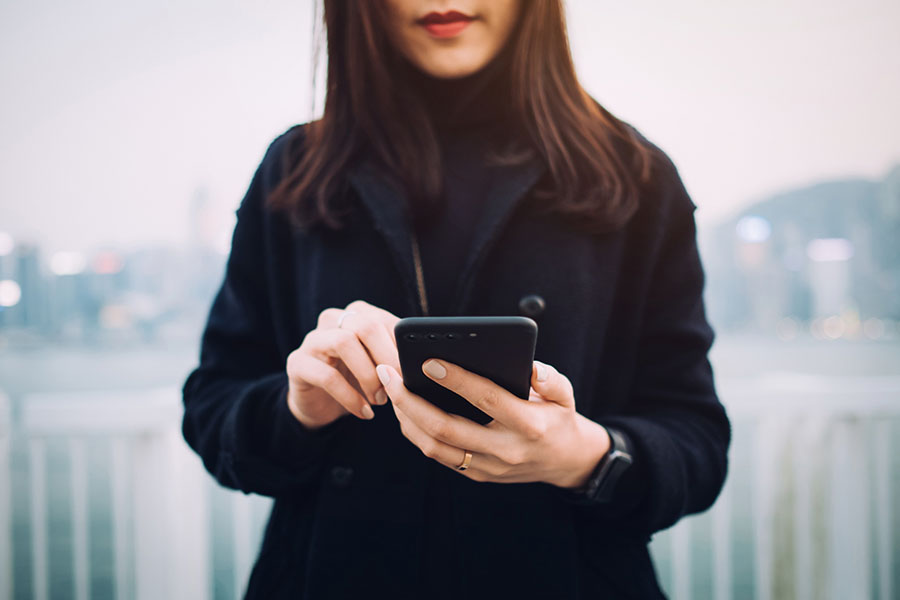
[376, 339]
[449, 456]
[551, 384]
[482, 393]
[346, 346]
[385, 317]
[314, 371]
[450, 429]
[366, 307]
[373, 325]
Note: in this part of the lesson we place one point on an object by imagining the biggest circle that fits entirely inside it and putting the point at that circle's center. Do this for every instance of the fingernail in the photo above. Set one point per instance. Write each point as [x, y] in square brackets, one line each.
[541, 371]
[435, 369]
[383, 375]
[380, 397]
[368, 412]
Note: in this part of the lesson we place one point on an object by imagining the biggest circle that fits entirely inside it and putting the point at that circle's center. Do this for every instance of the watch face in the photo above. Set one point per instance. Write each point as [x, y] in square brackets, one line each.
[616, 464]
[599, 487]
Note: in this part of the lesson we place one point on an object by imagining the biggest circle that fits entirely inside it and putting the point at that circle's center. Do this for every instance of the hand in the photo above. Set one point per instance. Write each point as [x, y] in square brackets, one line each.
[540, 439]
[332, 373]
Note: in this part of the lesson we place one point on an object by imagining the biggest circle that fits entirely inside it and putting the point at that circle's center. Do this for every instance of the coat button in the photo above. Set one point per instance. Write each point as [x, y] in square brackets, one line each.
[341, 476]
[532, 305]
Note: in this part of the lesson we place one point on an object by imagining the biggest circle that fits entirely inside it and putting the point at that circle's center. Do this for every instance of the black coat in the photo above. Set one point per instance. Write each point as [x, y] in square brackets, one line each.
[623, 320]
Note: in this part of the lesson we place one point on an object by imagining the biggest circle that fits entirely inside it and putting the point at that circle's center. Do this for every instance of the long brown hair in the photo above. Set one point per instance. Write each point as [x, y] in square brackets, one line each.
[595, 162]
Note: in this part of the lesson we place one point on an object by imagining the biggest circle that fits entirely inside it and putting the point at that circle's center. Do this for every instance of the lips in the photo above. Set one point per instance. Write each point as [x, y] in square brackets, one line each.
[444, 25]
[450, 16]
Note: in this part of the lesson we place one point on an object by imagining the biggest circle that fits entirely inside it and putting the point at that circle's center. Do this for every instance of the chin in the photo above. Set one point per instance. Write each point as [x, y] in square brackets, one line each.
[452, 67]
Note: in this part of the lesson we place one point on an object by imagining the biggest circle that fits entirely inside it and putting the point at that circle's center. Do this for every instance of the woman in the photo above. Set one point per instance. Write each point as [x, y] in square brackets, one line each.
[460, 169]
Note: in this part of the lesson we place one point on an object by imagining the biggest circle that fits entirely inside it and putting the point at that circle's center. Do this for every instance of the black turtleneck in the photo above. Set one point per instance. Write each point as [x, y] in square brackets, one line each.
[472, 116]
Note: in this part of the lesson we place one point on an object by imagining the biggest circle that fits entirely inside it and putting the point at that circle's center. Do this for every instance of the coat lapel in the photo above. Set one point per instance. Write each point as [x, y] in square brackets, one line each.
[386, 201]
[506, 191]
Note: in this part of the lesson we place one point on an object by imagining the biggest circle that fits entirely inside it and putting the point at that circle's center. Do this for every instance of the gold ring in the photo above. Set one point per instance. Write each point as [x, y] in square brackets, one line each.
[467, 460]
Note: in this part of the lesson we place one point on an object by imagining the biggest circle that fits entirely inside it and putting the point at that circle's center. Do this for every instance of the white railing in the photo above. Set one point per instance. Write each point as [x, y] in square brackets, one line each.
[804, 514]
[157, 492]
[5, 501]
[161, 500]
[809, 484]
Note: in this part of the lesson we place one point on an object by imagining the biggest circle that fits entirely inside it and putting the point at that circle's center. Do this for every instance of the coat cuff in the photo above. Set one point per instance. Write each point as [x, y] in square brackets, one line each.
[276, 445]
[292, 437]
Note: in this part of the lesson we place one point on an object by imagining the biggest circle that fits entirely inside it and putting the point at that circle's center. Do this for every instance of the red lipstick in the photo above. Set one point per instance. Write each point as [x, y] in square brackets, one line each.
[445, 25]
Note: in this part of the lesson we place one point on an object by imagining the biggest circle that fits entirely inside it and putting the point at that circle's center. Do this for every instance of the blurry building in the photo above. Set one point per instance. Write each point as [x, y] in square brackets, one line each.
[824, 254]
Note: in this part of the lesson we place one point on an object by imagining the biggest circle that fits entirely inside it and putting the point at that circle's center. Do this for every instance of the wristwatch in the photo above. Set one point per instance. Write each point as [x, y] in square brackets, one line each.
[602, 482]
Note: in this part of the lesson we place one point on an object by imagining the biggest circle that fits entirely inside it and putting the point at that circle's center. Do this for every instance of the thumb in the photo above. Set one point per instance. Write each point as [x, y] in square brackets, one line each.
[551, 384]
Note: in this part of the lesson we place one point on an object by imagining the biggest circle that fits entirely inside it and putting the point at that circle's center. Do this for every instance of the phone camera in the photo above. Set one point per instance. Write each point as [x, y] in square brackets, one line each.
[452, 336]
[413, 337]
[432, 336]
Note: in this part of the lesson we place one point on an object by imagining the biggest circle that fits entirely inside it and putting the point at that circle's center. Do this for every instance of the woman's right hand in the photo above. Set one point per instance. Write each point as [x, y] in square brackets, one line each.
[332, 373]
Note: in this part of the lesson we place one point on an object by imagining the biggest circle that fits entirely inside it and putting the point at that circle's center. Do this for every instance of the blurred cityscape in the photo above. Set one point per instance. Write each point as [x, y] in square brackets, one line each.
[821, 262]
[110, 296]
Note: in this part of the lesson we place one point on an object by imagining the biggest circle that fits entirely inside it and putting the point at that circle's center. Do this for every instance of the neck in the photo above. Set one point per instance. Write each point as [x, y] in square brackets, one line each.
[478, 100]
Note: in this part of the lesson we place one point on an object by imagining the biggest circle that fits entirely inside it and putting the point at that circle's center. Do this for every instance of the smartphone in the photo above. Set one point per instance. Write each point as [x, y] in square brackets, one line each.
[500, 348]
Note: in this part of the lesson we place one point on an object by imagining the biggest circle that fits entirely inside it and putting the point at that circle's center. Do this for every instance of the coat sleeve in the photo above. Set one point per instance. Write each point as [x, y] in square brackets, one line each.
[678, 429]
[236, 415]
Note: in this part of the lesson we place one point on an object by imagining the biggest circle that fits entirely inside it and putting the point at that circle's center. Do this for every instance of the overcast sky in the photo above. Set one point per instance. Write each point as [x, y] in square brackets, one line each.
[114, 113]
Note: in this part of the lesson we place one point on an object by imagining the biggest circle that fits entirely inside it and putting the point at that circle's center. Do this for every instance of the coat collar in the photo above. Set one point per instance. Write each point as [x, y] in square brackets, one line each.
[386, 201]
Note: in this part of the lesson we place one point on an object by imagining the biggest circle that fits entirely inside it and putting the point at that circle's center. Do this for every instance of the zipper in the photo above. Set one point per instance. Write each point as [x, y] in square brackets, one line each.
[420, 278]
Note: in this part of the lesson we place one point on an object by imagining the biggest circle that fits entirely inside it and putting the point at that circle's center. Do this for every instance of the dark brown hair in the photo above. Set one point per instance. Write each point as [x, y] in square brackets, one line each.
[595, 162]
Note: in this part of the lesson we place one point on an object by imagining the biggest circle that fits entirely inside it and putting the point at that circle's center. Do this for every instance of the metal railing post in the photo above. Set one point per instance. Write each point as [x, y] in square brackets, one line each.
[6, 574]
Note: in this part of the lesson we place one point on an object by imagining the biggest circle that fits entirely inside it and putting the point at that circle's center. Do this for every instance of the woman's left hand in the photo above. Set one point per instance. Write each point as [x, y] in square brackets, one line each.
[540, 439]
